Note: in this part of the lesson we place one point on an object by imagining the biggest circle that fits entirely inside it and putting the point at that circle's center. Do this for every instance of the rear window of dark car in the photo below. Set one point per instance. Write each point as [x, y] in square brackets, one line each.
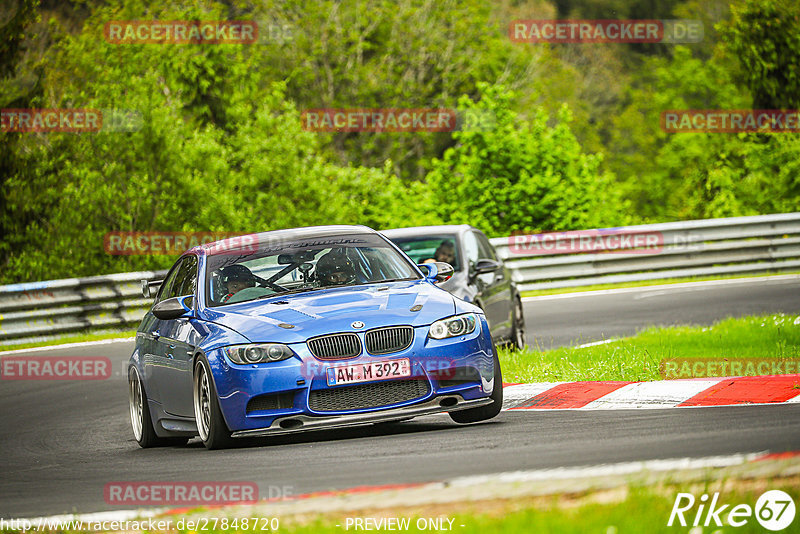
[423, 248]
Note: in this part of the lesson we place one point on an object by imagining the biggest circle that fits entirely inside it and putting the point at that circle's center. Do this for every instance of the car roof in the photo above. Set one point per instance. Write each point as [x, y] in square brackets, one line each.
[291, 234]
[416, 231]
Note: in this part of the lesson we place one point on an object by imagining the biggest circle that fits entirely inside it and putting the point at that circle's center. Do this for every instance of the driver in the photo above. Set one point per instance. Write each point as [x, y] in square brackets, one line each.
[235, 278]
[335, 269]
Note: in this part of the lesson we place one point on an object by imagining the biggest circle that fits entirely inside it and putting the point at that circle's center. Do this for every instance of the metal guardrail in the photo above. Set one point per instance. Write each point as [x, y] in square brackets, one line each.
[710, 247]
[74, 304]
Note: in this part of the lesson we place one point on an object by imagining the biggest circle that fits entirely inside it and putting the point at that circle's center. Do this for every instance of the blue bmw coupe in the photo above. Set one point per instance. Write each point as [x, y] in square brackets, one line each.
[305, 329]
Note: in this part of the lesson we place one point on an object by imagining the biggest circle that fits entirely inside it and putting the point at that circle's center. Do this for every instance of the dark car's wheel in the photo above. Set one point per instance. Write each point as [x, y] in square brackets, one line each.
[141, 422]
[518, 329]
[473, 415]
[210, 424]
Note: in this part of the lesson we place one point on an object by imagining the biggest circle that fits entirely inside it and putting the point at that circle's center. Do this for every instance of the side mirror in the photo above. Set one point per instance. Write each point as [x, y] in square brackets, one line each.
[173, 308]
[149, 288]
[482, 267]
[437, 271]
[486, 266]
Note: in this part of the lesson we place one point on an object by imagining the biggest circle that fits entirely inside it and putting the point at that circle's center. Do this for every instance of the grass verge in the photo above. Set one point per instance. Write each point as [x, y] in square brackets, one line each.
[625, 510]
[775, 336]
[645, 283]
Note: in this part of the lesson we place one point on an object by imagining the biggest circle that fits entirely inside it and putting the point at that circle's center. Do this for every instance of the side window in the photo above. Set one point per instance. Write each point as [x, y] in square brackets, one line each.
[471, 248]
[166, 285]
[185, 279]
[486, 250]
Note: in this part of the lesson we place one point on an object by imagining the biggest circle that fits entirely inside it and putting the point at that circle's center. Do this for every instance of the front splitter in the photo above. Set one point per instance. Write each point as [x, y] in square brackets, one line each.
[305, 423]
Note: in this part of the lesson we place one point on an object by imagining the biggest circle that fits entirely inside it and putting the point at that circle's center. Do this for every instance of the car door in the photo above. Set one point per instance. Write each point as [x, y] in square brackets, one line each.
[482, 284]
[498, 287]
[176, 348]
[150, 347]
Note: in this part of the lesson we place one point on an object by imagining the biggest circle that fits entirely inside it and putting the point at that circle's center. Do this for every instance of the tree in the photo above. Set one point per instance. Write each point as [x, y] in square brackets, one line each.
[231, 156]
[764, 35]
[521, 175]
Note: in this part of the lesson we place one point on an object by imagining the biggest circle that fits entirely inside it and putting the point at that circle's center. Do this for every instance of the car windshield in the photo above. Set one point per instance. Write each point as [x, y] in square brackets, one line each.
[425, 249]
[294, 266]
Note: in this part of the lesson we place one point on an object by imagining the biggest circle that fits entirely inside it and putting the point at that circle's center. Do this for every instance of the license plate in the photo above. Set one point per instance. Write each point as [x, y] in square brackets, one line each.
[367, 372]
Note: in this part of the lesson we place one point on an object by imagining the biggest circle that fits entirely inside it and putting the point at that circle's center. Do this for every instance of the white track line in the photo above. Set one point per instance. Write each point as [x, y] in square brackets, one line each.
[70, 345]
[605, 470]
[683, 285]
[595, 343]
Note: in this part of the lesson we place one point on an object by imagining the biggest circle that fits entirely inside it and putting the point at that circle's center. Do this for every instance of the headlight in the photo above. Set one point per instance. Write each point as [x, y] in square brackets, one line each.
[266, 352]
[453, 326]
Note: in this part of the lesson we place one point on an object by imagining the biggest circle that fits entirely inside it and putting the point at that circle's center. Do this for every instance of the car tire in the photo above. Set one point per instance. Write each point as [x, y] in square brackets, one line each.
[141, 422]
[518, 326]
[482, 413]
[211, 425]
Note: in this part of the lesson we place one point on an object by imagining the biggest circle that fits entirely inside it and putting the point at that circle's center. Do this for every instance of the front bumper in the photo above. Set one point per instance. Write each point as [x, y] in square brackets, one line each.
[305, 423]
[297, 378]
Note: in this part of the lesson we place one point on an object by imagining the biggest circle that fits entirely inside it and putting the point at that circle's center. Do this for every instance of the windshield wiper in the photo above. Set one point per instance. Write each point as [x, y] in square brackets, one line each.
[289, 292]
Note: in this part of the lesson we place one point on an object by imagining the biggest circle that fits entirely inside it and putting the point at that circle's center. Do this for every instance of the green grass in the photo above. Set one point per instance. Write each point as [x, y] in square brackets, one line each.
[632, 510]
[70, 338]
[639, 357]
[644, 283]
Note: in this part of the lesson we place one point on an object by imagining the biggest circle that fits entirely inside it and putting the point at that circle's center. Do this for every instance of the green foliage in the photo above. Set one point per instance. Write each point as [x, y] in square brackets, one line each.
[217, 144]
[230, 157]
[765, 37]
[521, 174]
[391, 54]
[12, 34]
[653, 164]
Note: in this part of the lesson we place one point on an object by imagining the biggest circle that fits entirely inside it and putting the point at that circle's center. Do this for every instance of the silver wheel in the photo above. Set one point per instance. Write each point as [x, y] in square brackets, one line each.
[202, 401]
[136, 403]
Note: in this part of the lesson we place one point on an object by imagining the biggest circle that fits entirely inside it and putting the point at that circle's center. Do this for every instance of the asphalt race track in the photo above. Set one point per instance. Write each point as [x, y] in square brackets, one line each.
[61, 442]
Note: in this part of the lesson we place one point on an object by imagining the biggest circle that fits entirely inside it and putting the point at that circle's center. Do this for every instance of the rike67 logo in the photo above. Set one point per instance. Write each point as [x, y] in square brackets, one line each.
[774, 510]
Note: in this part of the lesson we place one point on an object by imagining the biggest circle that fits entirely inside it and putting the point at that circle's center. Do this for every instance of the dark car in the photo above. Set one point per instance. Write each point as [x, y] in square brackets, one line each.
[480, 276]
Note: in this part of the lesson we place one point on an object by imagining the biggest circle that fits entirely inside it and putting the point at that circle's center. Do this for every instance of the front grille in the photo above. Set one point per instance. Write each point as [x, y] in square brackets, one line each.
[367, 395]
[335, 346]
[272, 401]
[388, 340]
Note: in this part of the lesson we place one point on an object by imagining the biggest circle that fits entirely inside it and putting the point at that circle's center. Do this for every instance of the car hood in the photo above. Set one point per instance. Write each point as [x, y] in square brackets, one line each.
[334, 310]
